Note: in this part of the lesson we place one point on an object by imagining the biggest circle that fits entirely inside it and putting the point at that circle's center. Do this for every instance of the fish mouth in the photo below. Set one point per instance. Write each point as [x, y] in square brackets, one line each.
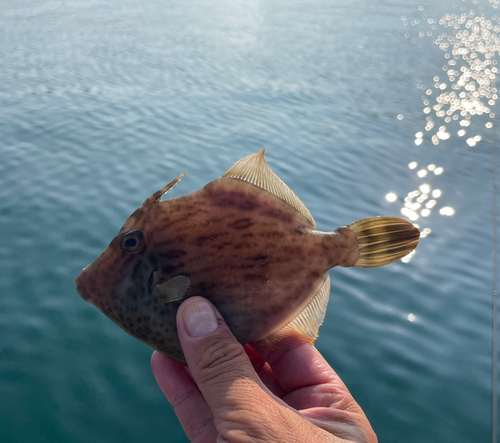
[79, 288]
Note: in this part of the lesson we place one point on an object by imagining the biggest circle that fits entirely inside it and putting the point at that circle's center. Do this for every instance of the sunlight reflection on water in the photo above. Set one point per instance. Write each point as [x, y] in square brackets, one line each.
[463, 99]
[106, 102]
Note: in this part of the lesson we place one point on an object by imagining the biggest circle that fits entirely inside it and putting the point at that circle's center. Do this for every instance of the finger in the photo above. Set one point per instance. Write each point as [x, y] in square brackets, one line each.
[181, 391]
[301, 366]
[218, 363]
[316, 389]
[264, 372]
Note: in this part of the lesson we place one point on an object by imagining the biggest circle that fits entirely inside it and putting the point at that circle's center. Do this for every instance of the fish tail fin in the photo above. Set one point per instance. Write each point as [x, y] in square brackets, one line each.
[383, 240]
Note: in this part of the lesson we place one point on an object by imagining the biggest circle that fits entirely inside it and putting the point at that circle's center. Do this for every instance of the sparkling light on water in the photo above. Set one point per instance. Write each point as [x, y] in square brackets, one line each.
[470, 44]
[448, 211]
[421, 202]
[391, 197]
[407, 258]
[453, 101]
[425, 188]
[471, 142]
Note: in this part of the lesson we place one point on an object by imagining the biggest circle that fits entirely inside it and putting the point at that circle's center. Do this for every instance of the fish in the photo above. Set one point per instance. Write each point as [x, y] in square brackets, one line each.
[245, 242]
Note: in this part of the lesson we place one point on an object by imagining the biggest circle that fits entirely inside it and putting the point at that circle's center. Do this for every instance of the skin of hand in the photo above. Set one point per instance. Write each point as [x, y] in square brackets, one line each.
[236, 394]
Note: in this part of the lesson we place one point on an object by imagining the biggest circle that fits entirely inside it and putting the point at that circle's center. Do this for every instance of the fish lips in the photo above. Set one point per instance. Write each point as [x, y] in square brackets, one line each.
[80, 283]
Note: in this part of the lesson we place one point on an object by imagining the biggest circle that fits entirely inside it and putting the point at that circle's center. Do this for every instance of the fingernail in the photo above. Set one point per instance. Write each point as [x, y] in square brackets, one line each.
[199, 319]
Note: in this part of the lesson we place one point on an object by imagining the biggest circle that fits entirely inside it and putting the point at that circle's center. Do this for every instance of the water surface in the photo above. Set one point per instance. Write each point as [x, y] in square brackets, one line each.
[103, 103]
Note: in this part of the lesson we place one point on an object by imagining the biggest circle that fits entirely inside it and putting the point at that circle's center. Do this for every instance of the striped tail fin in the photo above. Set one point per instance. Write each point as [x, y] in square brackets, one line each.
[383, 240]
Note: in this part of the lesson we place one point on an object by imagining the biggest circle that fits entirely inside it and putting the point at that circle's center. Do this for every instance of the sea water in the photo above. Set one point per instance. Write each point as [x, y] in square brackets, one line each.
[359, 107]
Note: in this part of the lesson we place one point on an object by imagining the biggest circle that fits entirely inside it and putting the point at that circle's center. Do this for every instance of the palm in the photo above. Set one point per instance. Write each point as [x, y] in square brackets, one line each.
[299, 378]
[303, 380]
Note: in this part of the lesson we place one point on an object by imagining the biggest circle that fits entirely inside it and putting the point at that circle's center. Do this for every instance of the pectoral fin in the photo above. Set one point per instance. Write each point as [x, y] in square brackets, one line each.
[173, 289]
[306, 325]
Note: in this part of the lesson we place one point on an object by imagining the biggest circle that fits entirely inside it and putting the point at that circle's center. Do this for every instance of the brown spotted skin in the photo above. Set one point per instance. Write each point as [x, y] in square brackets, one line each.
[256, 258]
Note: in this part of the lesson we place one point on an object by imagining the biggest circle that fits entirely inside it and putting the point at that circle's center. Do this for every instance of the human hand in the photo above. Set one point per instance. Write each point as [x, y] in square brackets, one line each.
[232, 396]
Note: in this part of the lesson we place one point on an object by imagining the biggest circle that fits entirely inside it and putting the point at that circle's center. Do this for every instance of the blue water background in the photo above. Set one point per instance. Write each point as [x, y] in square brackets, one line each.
[104, 102]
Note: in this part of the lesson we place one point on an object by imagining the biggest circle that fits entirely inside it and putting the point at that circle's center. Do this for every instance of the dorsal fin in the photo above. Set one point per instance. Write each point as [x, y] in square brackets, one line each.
[254, 169]
[156, 197]
[306, 325]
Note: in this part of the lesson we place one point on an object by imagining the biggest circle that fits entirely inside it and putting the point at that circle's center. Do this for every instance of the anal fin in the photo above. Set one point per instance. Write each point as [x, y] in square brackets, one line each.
[306, 325]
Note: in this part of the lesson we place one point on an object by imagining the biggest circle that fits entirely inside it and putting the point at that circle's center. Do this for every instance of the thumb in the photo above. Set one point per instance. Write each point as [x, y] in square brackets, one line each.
[218, 363]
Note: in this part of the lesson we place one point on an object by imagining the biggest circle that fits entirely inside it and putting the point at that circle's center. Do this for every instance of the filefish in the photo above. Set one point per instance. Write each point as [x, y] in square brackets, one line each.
[246, 243]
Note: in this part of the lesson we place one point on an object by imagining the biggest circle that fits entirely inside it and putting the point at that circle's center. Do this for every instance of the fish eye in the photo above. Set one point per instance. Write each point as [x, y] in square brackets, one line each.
[133, 241]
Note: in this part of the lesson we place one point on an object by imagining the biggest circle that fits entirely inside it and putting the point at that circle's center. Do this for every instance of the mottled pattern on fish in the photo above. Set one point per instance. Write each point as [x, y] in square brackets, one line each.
[256, 257]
